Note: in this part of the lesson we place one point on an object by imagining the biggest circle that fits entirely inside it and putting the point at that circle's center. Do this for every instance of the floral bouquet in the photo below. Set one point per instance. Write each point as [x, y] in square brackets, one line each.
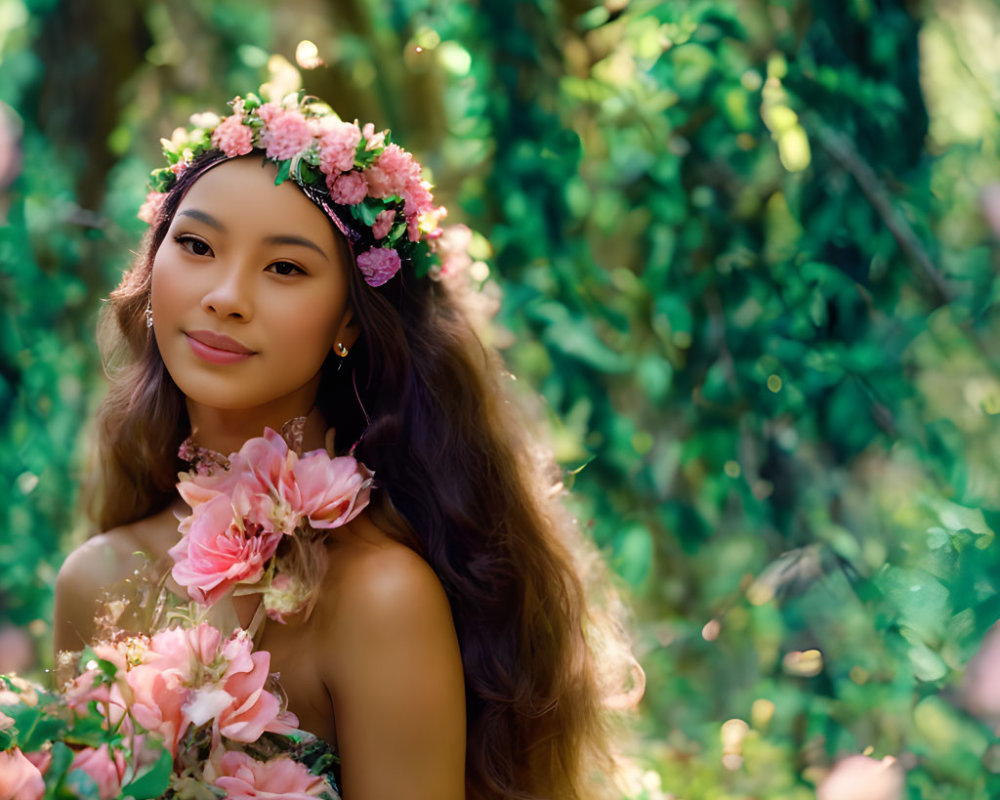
[185, 714]
[259, 518]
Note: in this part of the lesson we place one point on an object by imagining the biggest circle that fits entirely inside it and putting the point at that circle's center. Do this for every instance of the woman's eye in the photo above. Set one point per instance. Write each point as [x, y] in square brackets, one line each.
[192, 245]
[285, 268]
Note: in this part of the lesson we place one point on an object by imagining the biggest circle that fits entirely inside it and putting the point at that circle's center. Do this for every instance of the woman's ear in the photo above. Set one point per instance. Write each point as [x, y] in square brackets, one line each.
[347, 332]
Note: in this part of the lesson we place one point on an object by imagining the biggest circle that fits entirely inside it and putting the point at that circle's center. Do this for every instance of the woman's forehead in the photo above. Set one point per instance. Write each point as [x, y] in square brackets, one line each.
[241, 193]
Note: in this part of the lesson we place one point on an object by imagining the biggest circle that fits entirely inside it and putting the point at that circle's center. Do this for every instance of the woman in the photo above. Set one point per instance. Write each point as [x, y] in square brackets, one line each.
[295, 269]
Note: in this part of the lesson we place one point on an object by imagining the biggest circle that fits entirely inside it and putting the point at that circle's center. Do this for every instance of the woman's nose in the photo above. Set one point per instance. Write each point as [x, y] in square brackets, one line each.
[231, 295]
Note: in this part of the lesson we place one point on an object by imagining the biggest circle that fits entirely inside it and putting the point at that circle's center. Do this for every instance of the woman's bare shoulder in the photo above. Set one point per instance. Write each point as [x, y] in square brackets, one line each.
[99, 560]
[101, 563]
[390, 659]
[373, 574]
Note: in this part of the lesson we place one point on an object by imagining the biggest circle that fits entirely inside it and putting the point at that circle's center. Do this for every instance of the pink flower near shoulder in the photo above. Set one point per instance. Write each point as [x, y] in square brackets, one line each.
[334, 490]
[378, 265]
[86, 688]
[232, 137]
[151, 207]
[158, 702]
[286, 132]
[244, 778]
[19, 778]
[42, 759]
[383, 223]
[106, 769]
[337, 145]
[217, 552]
[253, 709]
[348, 190]
[266, 463]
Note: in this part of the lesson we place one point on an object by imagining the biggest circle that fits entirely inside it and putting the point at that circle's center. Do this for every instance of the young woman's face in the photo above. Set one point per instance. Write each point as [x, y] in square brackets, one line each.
[249, 292]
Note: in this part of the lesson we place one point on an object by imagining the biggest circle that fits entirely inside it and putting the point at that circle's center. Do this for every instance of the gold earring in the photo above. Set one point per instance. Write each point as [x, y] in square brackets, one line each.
[341, 349]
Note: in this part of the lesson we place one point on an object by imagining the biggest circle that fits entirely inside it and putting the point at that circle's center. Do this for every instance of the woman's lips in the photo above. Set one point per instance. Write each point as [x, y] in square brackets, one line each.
[217, 349]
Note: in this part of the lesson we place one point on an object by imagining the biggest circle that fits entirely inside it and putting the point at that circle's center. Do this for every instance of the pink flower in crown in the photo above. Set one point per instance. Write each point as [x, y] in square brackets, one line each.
[333, 490]
[383, 223]
[105, 768]
[373, 140]
[348, 189]
[378, 265]
[220, 549]
[337, 144]
[417, 197]
[245, 778]
[286, 133]
[393, 170]
[151, 207]
[232, 137]
[19, 778]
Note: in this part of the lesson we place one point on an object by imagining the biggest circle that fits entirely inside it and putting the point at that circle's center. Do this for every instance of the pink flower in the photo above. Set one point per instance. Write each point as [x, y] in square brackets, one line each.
[219, 551]
[378, 265]
[267, 462]
[333, 490]
[337, 145]
[862, 777]
[42, 759]
[232, 137]
[383, 223]
[151, 207]
[393, 170]
[252, 710]
[347, 190]
[86, 688]
[373, 140]
[285, 596]
[244, 778]
[417, 197]
[19, 778]
[106, 770]
[158, 698]
[286, 133]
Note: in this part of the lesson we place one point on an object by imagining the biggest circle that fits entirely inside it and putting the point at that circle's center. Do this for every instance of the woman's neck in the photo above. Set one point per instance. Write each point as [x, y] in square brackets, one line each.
[227, 431]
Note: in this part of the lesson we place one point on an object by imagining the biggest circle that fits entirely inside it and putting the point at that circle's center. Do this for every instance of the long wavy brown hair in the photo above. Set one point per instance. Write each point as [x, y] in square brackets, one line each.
[427, 407]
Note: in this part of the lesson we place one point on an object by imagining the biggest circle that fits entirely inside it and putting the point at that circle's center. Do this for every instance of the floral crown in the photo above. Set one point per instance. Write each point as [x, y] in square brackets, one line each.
[372, 189]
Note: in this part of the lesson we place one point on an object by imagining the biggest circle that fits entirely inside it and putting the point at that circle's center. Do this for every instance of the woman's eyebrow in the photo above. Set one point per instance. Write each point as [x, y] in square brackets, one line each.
[212, 222]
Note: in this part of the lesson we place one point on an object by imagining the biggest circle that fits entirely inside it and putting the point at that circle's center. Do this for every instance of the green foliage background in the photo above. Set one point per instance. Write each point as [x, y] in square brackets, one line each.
[744, 259]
